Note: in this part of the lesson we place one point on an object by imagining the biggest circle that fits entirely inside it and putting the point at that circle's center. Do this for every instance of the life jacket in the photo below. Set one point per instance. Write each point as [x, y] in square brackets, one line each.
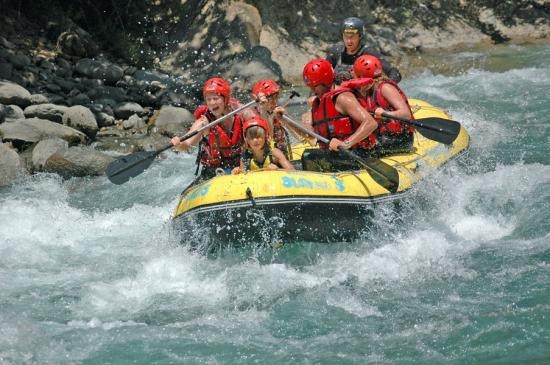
[251, 164]
[387, 126]
[279, 135]
[329, 123]
[218, 148]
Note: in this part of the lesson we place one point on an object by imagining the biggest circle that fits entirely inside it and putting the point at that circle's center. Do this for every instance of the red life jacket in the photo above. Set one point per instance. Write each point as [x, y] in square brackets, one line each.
[387, 126]
[329, 123]
[218, 147]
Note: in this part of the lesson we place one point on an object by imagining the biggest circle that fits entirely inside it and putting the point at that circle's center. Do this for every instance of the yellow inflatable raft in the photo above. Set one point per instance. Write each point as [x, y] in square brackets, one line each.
[282, 206]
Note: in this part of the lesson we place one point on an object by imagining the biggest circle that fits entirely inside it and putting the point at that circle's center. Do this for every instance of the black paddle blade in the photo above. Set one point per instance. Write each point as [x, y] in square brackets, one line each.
[384, 174]
[122, 169]
[441, 130]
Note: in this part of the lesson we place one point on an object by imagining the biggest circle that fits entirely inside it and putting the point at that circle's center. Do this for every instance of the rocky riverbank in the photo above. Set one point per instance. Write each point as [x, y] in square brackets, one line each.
[69, 108]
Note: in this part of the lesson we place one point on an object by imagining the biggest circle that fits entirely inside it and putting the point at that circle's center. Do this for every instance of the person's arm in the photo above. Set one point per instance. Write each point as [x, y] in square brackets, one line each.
[392, 95]
[189, 142]
[238, 169]
[347, 104]
[280, 158]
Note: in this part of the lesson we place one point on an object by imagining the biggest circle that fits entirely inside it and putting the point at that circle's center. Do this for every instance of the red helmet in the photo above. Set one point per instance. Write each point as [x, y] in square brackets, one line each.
[268, 87]
[367, 66]
[255, 120]
[219, 86]
[318, 72]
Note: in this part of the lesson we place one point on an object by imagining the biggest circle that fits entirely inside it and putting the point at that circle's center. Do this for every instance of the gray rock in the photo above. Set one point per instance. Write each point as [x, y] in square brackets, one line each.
[107, 92]
[13, 113]
[39, 99]
[80, 99]
[11, 93]
[11, 165]
[35, 129]
[103, 70]
[44, 149]
[104, 119]
[170, 120]
[78, 161]
[125, 110]
[51, 112]
[82, 119]
[134, 122]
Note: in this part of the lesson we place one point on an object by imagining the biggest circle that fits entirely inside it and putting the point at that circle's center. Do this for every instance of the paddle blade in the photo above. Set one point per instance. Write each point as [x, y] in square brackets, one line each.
[441, 130]
[384, 174]
[122, 169]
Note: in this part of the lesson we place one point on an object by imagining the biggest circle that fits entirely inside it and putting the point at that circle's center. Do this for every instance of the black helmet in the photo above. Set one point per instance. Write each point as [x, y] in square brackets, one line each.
[353, 25]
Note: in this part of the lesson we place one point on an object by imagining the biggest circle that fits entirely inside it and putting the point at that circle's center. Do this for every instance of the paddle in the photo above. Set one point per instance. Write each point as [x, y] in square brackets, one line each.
[437, 129]
[122, 169]
[384, 174]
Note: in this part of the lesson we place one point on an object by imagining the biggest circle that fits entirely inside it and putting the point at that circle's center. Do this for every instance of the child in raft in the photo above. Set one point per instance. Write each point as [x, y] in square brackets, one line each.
[258, 152]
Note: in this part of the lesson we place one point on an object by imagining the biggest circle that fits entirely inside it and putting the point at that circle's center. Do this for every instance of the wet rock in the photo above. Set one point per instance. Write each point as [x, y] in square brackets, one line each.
[81, 118]
[11, 93]
[44, 149]
[134, 122]
[11, 165]
[78, 161]
[32, 130]
[51, 112]
[13, 113]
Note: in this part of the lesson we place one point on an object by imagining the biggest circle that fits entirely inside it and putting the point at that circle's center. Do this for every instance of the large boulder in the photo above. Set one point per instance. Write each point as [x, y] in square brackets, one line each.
[78, 161]
[47, 111]
[11, 93]
[28, 131]
[170, 120]
[81, 118]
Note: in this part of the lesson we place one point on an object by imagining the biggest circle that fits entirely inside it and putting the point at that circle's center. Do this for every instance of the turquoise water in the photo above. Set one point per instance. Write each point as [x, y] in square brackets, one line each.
[460, 275]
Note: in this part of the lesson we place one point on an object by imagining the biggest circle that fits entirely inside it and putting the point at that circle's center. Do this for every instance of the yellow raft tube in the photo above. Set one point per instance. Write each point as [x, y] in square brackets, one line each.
[281, 206]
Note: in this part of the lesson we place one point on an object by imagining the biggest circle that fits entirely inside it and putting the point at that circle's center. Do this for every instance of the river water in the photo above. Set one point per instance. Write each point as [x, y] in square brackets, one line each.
[90, 273]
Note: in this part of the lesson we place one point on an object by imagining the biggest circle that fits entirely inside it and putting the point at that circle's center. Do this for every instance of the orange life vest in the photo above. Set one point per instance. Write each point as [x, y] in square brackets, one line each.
[387, 126]
[219, 147]
[329, 123]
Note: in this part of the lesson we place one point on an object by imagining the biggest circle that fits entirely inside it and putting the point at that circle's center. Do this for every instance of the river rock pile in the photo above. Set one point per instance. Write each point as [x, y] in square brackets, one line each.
[70, 115]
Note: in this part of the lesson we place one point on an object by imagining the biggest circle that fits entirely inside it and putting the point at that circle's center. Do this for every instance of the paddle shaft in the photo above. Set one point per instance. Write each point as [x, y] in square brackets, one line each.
[120, 170]
[323, 139]
[219, 120]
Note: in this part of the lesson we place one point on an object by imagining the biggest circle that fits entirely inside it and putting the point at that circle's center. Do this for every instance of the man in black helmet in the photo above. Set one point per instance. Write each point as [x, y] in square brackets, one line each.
[343, 54]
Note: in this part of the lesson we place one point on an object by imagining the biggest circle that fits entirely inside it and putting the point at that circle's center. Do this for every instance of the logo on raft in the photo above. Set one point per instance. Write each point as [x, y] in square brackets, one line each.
[200, 192]
[302, 183]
